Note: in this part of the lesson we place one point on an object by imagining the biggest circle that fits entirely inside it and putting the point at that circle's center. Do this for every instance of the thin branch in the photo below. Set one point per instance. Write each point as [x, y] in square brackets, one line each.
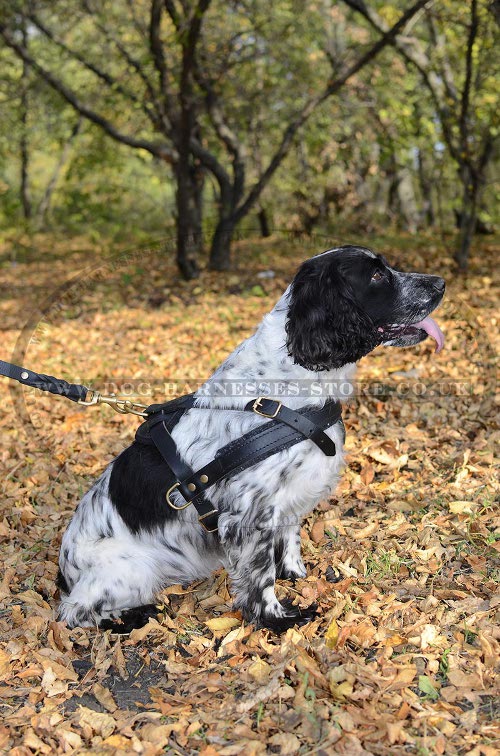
[413, 53]
[133, 63]
[446, 70]
[158, 55]
[172, 12]
[140, 27]
[465, 100]
[222, 129]
[102, 75]
[194, 29]
[154, 148]
[210, 161]
[333, 86]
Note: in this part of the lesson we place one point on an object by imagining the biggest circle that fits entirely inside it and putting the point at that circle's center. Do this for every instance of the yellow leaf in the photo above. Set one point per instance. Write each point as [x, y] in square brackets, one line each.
[341, 690]
[69, 739]
[260, 670]
[286, 742]
[104, 697]
[318, 531]
[222, 624]
[117, 741]
[403, 678]
[367, 531]
[233, 635]
[460, 507]
[51, 685]
[61, 672]
[332, 634]
[4, 663]
[102, 724]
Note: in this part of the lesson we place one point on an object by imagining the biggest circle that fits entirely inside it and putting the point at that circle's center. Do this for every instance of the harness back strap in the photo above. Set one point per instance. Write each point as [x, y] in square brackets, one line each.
[290, 428]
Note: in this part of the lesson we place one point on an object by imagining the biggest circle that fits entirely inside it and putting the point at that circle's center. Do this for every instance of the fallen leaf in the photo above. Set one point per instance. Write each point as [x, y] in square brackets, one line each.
[222, 624]
[103, 695]
[260, 670]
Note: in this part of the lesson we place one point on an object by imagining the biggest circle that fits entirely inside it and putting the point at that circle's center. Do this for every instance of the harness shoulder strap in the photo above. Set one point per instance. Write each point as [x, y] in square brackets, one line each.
[167, 447]
[275, 410]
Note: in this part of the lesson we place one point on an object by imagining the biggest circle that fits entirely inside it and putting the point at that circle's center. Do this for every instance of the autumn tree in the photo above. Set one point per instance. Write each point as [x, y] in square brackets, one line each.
[324, 74]
[454, 54]
[181, 80]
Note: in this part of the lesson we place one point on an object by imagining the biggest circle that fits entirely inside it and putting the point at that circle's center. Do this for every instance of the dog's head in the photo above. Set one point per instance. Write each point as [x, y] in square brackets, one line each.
[345, 302]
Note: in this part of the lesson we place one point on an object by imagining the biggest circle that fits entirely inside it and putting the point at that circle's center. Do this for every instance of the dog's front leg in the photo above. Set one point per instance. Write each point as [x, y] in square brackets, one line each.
[249, 546]
[289, 564]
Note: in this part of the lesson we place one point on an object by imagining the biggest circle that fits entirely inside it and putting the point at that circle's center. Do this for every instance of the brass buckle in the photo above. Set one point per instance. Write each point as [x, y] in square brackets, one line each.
[172, 488]
[118, 403]
[258, 403]
[214, 511]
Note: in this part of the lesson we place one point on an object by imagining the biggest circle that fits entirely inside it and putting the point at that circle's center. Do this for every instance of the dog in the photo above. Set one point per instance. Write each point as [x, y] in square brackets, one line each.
[124, 544]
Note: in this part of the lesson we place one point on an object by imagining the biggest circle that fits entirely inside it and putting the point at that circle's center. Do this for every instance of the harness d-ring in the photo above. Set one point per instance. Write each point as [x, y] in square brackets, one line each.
[170, 504]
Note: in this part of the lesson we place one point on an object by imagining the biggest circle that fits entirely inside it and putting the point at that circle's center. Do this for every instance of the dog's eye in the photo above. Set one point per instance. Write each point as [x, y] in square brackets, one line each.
[377, 276]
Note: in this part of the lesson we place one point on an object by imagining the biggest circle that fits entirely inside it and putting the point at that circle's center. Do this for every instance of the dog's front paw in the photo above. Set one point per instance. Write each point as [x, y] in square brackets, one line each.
[291, 573]
[129, 619]
[291, 616]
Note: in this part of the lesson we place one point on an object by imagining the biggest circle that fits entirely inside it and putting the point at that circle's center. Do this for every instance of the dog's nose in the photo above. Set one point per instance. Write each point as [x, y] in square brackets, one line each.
[439, 284]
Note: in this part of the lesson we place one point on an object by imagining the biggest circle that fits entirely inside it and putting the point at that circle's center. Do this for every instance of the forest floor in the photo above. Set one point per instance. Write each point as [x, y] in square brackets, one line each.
[403, 561]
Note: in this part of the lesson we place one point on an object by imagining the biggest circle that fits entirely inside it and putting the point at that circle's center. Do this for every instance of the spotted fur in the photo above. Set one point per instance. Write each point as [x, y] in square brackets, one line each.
[124, 544]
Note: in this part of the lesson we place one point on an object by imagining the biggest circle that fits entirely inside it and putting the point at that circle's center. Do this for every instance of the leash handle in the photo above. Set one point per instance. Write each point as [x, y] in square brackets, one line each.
[72, 391]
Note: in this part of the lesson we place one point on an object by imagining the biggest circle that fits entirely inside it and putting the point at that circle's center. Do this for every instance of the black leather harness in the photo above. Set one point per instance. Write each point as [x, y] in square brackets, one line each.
[286, 427]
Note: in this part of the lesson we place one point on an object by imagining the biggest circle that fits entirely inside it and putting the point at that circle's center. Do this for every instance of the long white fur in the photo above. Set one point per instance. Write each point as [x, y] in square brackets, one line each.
[124, 570]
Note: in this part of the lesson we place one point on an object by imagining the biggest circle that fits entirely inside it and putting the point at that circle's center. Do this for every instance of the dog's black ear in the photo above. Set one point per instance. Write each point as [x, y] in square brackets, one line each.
[325, 327]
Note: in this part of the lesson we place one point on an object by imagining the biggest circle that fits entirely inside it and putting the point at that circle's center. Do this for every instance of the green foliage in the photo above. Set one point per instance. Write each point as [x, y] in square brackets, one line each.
[264, 61]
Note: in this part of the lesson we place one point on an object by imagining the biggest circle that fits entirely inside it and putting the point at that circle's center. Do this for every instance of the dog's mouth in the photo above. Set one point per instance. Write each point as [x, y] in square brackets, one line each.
[406, 335]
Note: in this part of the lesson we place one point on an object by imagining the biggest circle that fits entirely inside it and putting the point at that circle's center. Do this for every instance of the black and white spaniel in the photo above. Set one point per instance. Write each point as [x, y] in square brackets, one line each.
[124, 544]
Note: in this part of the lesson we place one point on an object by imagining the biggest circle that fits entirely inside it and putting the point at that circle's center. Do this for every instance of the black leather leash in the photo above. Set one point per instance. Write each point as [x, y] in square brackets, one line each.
[72, 391]
[286, 428]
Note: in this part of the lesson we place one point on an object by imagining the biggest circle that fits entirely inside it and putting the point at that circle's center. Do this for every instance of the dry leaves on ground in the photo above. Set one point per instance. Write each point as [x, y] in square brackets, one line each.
[402, 562]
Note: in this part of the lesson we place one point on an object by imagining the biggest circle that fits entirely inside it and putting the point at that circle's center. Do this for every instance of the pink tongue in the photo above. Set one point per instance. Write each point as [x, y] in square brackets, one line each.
[434, 331]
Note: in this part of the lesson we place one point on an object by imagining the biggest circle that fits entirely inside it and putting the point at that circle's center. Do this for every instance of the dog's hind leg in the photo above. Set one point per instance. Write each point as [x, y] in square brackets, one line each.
[107, 586]
[249, 546]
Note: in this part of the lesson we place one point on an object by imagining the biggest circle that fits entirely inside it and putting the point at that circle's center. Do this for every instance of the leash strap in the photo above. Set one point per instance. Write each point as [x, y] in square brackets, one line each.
[72, 391]
[287, 428]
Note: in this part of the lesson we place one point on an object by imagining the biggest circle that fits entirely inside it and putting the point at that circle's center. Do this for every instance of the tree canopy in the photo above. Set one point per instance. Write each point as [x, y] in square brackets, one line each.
[349, 109]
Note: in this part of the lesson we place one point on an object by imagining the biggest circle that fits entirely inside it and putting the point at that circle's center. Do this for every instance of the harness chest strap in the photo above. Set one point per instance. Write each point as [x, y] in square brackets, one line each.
[289, 427]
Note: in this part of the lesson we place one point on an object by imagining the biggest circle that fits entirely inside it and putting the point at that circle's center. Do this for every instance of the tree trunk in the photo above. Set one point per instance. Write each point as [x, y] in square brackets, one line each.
[24, 142]
[44, 206]
[263, 223]
[220, 251]
[467, 220]
[428, 214]
[197, 184]
[406, 199]
[189, 218]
